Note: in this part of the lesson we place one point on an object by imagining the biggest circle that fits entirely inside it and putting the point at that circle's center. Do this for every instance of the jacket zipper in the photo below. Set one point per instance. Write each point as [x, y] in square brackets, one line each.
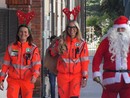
[21, 59]
[69, 54]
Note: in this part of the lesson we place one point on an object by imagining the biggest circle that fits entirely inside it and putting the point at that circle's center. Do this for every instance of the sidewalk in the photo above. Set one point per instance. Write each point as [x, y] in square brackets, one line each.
[3, 93]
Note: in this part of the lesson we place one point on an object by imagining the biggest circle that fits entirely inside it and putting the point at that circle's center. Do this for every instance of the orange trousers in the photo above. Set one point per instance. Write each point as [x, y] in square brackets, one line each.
[15, 86]
[69, 85]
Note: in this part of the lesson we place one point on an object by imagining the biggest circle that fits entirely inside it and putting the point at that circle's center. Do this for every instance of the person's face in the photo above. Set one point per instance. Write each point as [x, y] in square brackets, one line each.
[121, 30]
[52, 40]
[23, 34]
[72, 30]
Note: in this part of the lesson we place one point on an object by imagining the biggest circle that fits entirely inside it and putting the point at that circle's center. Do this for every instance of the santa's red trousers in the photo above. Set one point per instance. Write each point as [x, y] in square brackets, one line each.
[113, 90]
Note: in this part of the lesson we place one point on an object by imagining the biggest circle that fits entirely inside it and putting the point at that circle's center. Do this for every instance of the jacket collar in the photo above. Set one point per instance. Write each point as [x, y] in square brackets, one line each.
[22, 44]
[68, 39]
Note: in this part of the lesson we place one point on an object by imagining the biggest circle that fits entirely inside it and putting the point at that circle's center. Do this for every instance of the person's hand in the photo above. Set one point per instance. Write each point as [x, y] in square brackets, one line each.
[83, 83]
[1, 85]
[62, 46]
[46, 72]
[61, 41]
[97, 79]
[33, 80]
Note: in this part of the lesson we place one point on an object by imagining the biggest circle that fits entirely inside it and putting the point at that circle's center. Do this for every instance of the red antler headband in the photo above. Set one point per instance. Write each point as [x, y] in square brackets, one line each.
[25, 18]
[74, 12]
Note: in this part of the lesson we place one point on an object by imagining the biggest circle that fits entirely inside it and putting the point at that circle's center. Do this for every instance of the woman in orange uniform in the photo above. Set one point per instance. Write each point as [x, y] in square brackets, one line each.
[72, 65]
[22, 63]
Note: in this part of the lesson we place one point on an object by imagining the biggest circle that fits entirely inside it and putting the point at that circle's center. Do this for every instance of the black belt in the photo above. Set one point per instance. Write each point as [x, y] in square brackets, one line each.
[108, 70]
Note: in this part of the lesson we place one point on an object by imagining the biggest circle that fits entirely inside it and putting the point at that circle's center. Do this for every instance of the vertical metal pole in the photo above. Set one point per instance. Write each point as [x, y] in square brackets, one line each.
[8, 27]
[43, 93]
[52, 18]
[85, 17]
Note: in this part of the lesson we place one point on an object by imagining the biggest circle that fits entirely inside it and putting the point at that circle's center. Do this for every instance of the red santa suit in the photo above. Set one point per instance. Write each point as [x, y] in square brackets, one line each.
[116, 64]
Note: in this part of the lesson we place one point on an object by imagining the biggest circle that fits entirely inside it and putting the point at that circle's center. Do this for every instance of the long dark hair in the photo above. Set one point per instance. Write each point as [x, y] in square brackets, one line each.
[29, 39]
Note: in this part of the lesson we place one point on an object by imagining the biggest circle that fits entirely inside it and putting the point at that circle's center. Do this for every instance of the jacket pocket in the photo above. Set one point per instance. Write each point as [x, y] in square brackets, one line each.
[77, 68]
[14, 59]
[26, 74]
[61, 66]
[13, 73]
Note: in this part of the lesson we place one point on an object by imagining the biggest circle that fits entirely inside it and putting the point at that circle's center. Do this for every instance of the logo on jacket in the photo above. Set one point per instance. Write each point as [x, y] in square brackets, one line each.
[77, 44]
[14, 52]
[28, 50]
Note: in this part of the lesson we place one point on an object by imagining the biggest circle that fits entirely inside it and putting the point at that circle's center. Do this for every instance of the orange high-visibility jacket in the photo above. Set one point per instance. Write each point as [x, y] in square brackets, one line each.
[21, 61]
[74, 59]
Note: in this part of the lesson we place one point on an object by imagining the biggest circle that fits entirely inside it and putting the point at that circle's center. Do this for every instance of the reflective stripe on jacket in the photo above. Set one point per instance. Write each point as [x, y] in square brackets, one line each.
[21, 61]
[75, 58]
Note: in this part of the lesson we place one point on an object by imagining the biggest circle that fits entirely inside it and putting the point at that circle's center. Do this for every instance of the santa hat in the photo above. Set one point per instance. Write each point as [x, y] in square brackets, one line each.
[121, 22]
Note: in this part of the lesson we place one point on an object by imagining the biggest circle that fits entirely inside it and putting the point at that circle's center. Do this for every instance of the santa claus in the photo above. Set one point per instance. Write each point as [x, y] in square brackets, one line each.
[114, 54]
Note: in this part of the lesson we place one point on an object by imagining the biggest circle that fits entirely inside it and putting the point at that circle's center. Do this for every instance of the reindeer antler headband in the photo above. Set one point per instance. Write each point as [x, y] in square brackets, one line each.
[74, 12]
[25, 18]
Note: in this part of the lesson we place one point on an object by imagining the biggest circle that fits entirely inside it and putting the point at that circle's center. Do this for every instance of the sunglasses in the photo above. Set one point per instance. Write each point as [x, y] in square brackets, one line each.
[71, 27]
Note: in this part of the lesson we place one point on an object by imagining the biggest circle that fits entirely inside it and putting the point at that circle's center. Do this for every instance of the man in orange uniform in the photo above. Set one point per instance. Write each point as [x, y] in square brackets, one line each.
[72, 65]
[22, 63]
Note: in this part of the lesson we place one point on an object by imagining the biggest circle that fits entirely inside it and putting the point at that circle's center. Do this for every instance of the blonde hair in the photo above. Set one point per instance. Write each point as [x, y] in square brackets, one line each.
[62, 44]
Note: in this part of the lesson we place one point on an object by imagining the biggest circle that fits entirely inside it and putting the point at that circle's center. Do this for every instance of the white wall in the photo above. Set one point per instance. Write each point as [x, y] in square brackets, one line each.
[46, 24]
[2, 4]
[64, 17]
[59, 17]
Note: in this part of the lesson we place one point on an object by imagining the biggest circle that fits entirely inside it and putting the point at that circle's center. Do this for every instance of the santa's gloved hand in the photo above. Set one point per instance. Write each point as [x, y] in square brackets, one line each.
[97, 79]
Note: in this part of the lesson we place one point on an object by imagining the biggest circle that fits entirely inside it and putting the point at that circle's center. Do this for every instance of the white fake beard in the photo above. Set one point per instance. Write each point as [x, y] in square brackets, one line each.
[119, 44]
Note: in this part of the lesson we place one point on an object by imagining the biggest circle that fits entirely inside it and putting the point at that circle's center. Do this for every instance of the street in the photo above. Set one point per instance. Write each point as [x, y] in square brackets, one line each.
[3, 93]
[92, 90]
